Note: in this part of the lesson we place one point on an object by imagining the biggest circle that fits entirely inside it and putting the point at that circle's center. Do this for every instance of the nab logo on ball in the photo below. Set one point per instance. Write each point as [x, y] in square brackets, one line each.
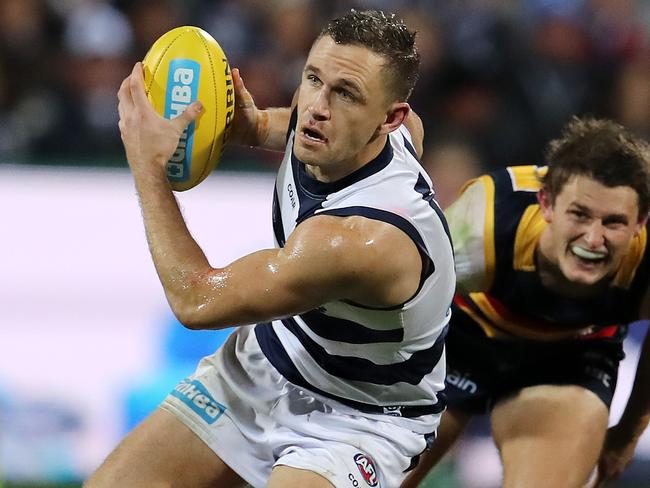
[184, 65]
[182, 87]
[367, 469]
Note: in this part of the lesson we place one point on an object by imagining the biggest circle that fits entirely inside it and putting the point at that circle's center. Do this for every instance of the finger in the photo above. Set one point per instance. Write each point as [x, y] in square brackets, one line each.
[601, 480]
[605, 475]
[123, 87]
[188, 116]
[236, 77]
[120, 110]
[125, 103]
[137, 87]
[124, 93]
[596, 477]
[242, 95]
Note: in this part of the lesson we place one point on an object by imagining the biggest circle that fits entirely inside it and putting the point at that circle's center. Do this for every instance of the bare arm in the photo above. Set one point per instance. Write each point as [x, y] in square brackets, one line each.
[267, 284]
[276, 283]
[622, 438]
[252, 126]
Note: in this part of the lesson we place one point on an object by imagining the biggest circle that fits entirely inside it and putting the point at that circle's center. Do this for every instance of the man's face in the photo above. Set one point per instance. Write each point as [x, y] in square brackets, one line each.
[342, 102]
[591, 227]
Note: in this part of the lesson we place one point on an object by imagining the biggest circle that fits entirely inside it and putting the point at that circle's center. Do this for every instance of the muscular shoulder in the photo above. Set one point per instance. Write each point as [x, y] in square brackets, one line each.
[360, 259]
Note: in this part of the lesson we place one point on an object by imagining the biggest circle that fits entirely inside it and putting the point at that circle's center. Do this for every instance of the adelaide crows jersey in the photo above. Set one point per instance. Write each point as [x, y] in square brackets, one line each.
[377, 360]
[496, 224]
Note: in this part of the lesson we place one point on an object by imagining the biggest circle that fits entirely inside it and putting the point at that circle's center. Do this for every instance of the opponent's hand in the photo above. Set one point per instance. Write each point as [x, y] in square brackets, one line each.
[616, 455]
[149, 139]
[245, 124]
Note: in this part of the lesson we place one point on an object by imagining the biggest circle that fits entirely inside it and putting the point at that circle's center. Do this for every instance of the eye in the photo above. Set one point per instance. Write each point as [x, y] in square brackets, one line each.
[313, 79]
[347, 96]
[579, 215]
[615, 223]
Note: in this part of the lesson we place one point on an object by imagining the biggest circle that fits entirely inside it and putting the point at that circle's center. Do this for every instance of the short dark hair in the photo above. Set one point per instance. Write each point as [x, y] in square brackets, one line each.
[603, 150]
[386, 35]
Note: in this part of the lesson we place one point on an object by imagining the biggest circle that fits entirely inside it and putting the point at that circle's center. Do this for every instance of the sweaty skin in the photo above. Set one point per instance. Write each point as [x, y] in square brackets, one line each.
[290, 280]
[347, 104]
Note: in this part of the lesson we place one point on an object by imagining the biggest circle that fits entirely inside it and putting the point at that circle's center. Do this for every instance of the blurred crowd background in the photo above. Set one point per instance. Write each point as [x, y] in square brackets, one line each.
[499, 78]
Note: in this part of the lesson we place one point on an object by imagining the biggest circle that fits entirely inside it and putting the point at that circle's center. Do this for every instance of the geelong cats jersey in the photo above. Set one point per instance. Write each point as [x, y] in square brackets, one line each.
[376, 360]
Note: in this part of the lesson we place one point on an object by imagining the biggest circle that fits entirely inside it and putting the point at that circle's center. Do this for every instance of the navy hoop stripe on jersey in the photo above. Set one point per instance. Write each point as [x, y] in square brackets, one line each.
[428, 266]
[312, 193]
[409, 147]
[342, 330]
[346, 350]
[293, 121]
[308, 202]
[319, 188]
[271, 345]
[368, 307]
[428, 195]
[410, 371]
[278, 231]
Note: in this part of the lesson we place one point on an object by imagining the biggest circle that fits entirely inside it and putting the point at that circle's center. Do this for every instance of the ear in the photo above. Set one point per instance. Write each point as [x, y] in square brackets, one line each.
[546, 204]
[640, 225]
[397, 112]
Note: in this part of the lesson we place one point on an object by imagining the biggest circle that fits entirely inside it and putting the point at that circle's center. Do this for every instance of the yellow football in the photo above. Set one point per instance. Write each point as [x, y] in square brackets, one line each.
[184, 65]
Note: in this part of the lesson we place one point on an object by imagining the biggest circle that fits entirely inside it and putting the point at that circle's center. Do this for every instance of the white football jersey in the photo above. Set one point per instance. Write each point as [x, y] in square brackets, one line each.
[377, 360]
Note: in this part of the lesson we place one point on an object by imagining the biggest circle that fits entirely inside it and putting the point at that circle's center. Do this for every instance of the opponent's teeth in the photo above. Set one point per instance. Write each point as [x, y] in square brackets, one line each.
[586, 254]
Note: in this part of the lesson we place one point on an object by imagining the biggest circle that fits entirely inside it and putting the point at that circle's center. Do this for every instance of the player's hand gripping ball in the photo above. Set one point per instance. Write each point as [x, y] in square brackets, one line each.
[184, 65]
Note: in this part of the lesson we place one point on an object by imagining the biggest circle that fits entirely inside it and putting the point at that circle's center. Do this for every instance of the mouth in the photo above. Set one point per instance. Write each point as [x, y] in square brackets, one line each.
[587, 256]
[312, 135]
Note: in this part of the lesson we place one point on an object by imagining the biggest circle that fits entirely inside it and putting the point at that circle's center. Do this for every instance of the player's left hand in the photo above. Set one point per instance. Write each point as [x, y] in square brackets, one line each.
[616, 455]
[246, 122]
[148, 137]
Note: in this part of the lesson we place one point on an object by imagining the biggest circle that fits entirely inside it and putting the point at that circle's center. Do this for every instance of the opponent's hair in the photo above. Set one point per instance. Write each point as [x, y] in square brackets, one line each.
[603, 150]
[386, 35]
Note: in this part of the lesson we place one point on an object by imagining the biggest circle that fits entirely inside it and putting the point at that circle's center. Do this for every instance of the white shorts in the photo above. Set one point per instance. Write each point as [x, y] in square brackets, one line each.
[253, 419]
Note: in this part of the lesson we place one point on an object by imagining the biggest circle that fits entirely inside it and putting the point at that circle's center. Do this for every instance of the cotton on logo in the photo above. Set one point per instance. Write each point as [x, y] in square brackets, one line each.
[367, 469]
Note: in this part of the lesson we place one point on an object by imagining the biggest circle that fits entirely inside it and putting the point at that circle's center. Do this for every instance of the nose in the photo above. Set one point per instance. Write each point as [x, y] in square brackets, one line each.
[319, 107]
[595, 235]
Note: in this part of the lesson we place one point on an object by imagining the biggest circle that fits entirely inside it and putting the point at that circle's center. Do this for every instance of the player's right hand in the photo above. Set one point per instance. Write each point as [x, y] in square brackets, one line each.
[148, 138]
[616, 455]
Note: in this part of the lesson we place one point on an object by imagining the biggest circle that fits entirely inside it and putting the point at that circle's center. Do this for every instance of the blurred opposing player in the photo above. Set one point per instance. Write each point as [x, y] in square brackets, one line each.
[337, 384]
[551, 263]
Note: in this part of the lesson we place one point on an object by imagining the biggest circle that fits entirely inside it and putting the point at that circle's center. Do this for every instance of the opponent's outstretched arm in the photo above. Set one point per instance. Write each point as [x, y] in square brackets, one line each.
[623, 437]
[267, 284]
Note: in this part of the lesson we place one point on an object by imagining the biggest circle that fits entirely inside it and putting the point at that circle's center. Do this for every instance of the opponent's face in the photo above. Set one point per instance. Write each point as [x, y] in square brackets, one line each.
[590, 228]
[343, 106]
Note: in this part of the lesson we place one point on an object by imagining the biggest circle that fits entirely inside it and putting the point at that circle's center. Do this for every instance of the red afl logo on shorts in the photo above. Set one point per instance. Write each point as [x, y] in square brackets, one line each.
[367, 469]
